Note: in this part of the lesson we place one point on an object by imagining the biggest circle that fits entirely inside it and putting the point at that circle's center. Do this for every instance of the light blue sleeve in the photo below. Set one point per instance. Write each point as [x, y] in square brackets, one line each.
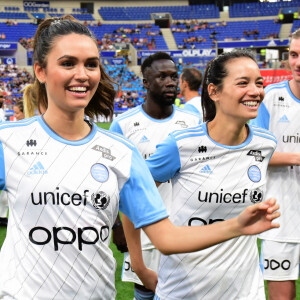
[2, 168]
[115, 127]
[192, 108]
[140, 200]
[165, 162]
[263, 118]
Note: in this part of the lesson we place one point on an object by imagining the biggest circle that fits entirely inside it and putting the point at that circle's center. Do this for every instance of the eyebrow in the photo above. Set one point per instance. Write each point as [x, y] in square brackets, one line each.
[73, 57]
[247, 78]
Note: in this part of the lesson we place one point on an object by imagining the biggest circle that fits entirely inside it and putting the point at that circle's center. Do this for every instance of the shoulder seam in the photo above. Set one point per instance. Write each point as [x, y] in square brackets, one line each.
[117, 136]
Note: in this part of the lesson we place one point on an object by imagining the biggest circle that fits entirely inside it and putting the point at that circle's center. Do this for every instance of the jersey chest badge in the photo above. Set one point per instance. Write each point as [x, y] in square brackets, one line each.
[100, 172]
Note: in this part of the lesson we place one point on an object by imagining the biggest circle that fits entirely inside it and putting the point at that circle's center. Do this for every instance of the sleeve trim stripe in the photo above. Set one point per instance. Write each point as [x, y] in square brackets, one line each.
[262, 130]
[267, 136]
[20, 123]
[118, 137]
[128, 114]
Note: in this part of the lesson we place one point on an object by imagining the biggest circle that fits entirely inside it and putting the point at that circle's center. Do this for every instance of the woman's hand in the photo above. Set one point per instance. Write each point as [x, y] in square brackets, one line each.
[258, 218]
[149, 279]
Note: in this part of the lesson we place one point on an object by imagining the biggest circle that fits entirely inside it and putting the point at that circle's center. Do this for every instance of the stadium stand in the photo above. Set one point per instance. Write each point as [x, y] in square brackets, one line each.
[209, 11]
[194, 27]
[258, 9]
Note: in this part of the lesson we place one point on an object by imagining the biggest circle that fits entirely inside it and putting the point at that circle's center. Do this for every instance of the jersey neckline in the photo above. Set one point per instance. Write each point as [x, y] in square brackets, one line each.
[245, 143]
[57, 137]
[158, 120]
[290, 91]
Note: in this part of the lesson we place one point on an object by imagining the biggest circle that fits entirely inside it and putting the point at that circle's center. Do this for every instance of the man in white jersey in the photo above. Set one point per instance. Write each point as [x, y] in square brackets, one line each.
[189, 83]
[146, 126]
[280, 114]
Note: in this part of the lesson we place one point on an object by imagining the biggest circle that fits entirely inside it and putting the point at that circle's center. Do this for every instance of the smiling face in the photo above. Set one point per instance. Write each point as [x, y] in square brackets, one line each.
[294, 59]
[72, 72]
[241, 92]
[161, 82]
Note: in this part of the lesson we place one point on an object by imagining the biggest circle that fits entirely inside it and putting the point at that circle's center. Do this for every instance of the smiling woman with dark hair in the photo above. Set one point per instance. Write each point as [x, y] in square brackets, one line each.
[217, 169]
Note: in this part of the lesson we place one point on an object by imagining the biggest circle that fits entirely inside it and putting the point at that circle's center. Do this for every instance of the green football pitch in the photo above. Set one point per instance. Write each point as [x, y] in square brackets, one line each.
[124, 289]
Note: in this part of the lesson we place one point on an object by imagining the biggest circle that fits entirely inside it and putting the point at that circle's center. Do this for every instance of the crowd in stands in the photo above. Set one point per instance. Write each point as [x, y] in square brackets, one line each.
[11, 22]
[130, 87]
[27, 43]
[194, 25]
[125, 34]
[12, 82]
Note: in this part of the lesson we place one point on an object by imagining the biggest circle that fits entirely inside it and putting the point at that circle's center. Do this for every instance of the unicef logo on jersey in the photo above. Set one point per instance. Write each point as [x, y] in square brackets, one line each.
[256, 195]
[100, 200]
[254, 173]
[99, 172]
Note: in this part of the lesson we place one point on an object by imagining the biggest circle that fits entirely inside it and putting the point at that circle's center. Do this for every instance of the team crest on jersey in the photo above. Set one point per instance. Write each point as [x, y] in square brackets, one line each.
[106, 153]
[202, 149]
[256, 195]
[280, 102]
[31, 143]
[100, 200]
[254, 173]
[99, 172]
[256, 154]
[182, 124]
[31, 150]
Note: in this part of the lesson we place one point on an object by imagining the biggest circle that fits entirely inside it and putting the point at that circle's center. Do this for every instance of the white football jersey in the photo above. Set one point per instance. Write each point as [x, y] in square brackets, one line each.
[63, 199]
[211, 183]
[279, 113]
[146, 132]
[195, 106]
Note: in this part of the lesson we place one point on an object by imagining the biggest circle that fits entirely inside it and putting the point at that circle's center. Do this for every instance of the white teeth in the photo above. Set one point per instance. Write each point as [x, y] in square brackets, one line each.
[78, 89]
[250, 103]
